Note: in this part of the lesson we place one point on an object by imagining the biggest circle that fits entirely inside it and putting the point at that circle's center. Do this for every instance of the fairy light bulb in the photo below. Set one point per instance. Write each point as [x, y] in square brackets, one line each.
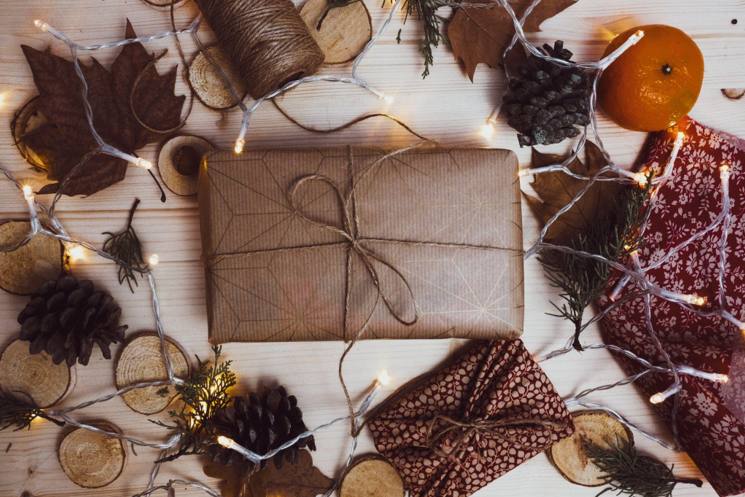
[383, 378]
[154, 260]
[696, 300]
[721, 378]
[239, 143]
[657, 398]
[226, 442]
[145, 164]
[28, 193]
[75, 253]
[388, 99]
[660, 397]
[641, 179]
[487, 131]
[41, 25]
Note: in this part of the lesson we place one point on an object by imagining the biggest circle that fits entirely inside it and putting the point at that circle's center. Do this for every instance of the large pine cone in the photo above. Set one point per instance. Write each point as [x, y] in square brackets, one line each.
[549, 100]
[66, 317]
[259, 424]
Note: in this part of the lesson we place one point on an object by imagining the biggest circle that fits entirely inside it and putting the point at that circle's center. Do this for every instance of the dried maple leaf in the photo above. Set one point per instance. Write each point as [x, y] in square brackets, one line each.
[557, 189]
[233, 482]
[67, 138]
[482, 34]
[301, 479]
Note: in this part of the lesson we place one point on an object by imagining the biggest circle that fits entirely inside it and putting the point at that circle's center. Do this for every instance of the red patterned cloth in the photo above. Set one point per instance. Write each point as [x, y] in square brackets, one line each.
[496, 380]
[710, 418]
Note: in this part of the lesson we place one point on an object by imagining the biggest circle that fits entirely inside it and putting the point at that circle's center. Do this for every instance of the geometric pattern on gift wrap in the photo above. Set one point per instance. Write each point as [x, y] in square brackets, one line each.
[688, 202]
[493, 380]
[473, 300]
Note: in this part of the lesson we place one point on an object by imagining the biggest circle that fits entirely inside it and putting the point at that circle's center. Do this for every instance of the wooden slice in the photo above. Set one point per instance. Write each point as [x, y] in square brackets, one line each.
[92, 460]
[36, 376]
[372, 476]
[570, 456]
[733, 93]
[179, 160]
[344, 31]
[24, 270]
[164, 4]
[209, 85]
[141, 361]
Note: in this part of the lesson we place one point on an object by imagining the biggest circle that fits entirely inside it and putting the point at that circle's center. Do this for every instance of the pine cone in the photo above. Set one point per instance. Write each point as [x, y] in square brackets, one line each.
[549, 100]
[65, 317]
[259, 424]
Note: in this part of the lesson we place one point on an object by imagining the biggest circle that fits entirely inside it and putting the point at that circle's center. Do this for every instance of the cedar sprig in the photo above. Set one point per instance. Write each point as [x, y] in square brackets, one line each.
[18, 414]
[426, 11]
[126, 246]
[582, 280]
[626, 472]
[203, 394]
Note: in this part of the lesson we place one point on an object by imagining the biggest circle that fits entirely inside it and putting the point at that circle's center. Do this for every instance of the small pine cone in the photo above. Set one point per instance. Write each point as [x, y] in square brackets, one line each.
[547, 102]
[260, 424]
[65, 318]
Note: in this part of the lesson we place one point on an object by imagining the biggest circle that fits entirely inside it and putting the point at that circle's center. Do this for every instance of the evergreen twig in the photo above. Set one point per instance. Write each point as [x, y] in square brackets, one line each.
[203, 394]
[426, 11]
[17, 414]
[333, 4]
[127, 247]
[626, 472]
[581, 279]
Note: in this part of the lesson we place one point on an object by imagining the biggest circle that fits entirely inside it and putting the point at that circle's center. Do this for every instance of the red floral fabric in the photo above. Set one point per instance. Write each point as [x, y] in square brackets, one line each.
[493, 380]
[710, 419]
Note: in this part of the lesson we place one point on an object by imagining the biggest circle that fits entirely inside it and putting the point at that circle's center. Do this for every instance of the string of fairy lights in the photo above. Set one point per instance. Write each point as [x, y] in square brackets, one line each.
[632, 271]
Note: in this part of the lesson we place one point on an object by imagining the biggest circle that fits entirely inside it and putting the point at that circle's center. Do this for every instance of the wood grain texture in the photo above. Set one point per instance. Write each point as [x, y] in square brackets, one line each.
[445, 106]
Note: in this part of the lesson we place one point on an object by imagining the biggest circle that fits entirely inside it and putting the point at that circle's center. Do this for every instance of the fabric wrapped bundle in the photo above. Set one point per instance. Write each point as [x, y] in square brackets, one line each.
[454, 432]
[710, 418]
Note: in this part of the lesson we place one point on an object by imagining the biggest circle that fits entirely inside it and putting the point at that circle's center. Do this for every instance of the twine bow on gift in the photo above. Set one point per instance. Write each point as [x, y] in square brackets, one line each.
[463, 430]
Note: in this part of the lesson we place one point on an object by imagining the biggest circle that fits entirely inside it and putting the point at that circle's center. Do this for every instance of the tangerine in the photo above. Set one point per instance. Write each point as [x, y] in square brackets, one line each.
[655, 83]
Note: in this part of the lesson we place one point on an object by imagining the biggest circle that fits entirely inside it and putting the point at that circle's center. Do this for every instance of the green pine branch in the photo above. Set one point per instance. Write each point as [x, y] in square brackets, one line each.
[582, 280]
[628, 473]
[126, 246]
[19, 415]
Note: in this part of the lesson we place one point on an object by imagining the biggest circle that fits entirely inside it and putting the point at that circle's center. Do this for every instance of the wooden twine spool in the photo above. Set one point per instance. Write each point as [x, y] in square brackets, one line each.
[266, 39]
[23, 374]
[92, 460]
[141, 361]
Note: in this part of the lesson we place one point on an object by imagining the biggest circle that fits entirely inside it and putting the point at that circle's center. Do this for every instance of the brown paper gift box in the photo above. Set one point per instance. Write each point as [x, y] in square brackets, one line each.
[320, 244]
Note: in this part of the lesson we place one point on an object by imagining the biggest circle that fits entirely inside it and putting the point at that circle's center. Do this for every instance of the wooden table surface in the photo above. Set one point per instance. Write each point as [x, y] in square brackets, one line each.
[445, 106]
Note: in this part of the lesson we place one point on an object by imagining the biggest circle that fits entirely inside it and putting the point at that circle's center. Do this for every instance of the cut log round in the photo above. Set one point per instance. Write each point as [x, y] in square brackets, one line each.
[141, 361]
[372, 476]
[344, 31]
[22, 373]
[92, 460]
[733, 93]
[209, 85]
[570, 456]
[164, 4]
[22, 271]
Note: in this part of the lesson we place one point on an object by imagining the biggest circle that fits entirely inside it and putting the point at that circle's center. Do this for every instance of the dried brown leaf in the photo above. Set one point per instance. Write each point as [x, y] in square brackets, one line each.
[301, 479]
[480, 35]
[557, 189]
[233, 482]
[68, 138]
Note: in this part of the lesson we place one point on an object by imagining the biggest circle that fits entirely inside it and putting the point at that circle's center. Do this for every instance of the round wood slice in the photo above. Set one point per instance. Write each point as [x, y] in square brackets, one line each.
[372, 476]
[164, 4]
[178, 180]
[733, 93]
[141, 361]
[344, 32]
[24, 270]
[34, 375]
[92, 460]
[590, 428]
[209, 85]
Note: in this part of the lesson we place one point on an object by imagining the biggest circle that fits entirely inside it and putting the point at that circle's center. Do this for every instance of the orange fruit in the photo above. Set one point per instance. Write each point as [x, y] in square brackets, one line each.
[653, 84]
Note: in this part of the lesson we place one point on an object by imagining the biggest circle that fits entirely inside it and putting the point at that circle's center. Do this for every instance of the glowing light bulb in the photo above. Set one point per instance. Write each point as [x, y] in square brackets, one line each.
[28, 193]
[641, 179]
[2, 98]
[226, 442]
[681, 136]
[523, 172]
[75, 253]
[388, 99]
[724, 169]
[722, 378]
[383, 378]
[696, 300]
[239, 143]
[487, 131]
[657, 398]
[640, 33]
[145, 164]
[41, 25]
[154, 260]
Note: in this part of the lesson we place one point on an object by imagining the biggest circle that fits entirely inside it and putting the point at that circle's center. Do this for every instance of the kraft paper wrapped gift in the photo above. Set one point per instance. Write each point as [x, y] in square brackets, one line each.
[331, 243]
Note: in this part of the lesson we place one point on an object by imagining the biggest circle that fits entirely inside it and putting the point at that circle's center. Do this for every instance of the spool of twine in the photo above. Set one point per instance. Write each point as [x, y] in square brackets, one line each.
[266, 40]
